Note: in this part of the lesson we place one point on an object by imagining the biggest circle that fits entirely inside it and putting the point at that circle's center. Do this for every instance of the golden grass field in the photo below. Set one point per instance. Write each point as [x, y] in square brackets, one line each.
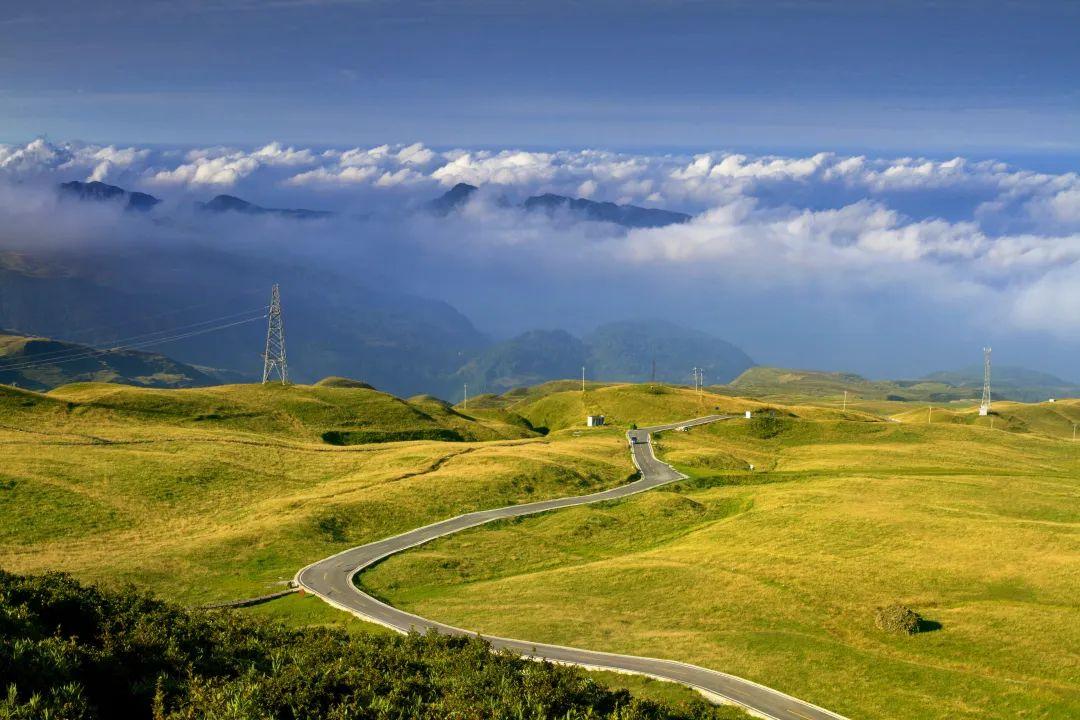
[223, 493]
[773, 574]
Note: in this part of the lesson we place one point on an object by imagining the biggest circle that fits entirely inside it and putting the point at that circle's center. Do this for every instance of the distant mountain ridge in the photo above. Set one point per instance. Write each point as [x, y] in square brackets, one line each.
[615, 352]
[625, 215]
[37, 363]
[99, 191]
[231, 203]
[1007, 383]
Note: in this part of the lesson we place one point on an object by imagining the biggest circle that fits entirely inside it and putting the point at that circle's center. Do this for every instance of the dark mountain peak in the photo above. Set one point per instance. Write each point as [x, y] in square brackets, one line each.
[452, 199]
[225, 203]
[99, 191]
[625, 215]
[231, 203]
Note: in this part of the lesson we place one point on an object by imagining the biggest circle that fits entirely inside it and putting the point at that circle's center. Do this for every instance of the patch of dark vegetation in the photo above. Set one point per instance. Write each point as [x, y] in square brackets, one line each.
[364, 437]
[765, 426]
[75, 652]
[658, 390]
[209, 416]
[8, 483]
[899, 619]
[896, 398]
[341, 382]
[333, 527]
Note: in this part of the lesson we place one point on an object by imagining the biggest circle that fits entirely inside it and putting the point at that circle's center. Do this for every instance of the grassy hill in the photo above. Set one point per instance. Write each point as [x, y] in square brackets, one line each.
[41, 364]
[771, 572]
[788, 384]
[212, 494]
[615, 352]
[1012, 383]
[219, 493]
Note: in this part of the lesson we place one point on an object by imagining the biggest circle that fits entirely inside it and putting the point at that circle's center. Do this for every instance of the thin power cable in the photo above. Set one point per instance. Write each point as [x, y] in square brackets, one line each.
[137, 338]
[131, 346]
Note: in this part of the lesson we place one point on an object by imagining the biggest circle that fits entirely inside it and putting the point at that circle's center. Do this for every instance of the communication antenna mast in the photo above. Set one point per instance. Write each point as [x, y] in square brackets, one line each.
[274, 356]
[984, 407]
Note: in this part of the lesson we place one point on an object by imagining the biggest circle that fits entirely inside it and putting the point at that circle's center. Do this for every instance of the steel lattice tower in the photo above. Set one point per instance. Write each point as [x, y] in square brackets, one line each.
[274, 356]
[984, 406]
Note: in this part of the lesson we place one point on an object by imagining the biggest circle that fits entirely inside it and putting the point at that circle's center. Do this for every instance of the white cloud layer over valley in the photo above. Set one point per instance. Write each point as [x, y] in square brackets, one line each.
[825, 246]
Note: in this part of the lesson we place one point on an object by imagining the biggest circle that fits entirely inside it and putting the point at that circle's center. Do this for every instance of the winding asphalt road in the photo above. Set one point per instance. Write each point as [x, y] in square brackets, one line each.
[332, 580]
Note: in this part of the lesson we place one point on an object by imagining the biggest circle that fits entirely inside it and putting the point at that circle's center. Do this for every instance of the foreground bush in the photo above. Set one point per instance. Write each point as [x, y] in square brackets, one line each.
[75, 652]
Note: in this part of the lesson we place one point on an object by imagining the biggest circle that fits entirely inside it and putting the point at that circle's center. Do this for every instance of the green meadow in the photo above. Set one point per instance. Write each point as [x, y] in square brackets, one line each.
[775, 574]
[772, 573]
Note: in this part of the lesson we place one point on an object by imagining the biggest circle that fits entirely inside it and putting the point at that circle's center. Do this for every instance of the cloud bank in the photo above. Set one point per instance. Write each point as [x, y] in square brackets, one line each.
[993, 244]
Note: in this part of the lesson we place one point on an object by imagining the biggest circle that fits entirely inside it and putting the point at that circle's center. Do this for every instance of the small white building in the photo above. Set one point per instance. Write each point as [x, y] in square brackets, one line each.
[748, 414]
[594, 420]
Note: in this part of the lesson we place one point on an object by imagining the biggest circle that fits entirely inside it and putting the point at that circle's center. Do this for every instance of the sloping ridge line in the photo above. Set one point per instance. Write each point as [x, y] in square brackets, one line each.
[331, 579]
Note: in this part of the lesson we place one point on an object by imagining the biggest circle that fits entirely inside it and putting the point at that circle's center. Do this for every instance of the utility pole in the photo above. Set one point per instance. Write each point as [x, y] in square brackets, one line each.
[582, 379]
[274, 355]
[845, 401]
[466, 396]
[984, 406]
[654, 369]
[930, 415]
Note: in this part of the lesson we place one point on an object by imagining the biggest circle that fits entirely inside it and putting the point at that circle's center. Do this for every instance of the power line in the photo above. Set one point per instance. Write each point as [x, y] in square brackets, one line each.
[120, 343]
[130, 346]
[145, 318]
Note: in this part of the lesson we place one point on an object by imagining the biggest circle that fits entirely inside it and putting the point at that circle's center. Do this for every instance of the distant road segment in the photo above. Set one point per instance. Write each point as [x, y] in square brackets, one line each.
[332, 580]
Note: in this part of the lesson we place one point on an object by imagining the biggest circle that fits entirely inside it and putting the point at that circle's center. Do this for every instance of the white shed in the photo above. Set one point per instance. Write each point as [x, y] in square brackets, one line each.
[594, 420]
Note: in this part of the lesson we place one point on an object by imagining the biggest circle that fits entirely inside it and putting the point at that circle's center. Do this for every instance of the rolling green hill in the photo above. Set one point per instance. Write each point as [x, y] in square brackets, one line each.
[776, 574]
[41, 364]
[615, 352]
[219, 493]
[212, 494]
[1009, 383]
[786, 383]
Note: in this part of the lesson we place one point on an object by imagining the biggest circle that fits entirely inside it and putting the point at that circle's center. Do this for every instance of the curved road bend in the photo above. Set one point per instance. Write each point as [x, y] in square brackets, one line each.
[332, 580]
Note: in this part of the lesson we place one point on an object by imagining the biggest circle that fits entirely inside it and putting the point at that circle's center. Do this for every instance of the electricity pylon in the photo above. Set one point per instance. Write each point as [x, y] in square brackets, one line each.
[984, 406]
[274, 356]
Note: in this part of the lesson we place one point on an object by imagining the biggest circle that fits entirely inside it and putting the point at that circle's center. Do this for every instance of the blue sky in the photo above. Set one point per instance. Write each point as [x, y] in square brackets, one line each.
[980, 78]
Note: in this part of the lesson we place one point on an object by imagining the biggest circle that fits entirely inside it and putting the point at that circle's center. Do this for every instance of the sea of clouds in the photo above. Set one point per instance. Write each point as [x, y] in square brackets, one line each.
[905, 245]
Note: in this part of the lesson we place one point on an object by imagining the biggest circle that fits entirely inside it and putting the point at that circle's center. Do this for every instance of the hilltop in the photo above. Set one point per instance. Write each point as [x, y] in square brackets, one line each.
[783, 382]
[99, 191]
[631, 216]
[614, 352]
[38, 363]
[1008, 383]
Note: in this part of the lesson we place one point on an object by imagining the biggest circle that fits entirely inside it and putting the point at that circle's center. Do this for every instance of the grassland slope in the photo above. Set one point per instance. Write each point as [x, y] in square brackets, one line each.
[222, 493]
[775, 574]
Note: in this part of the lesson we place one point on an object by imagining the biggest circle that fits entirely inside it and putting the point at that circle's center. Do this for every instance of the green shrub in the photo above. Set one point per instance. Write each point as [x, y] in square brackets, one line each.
[897, 619]
[364, 437]
[75, 652]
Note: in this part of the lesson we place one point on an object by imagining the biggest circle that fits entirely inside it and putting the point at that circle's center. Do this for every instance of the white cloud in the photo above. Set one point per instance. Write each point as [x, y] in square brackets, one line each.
[823, 219]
